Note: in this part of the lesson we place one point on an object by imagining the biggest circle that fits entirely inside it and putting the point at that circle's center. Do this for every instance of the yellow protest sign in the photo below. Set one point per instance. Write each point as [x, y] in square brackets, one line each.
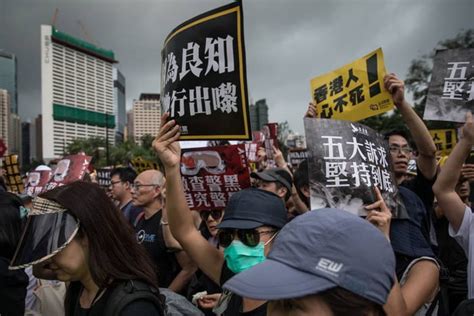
[12, 174]
[140, 165]
[444, 139]
[354, 91]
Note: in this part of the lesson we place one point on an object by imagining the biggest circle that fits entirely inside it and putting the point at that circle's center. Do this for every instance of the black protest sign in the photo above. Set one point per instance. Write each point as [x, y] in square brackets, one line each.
[451, 90]
[296, 156]
[203, 77]
[103, 177]
[347, 161]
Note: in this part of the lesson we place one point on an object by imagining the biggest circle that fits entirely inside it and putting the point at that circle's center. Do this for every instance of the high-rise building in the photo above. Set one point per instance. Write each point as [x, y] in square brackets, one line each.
[39, 137]
[25, 143]
[14, 135]
[145, 116]
[119, 105]
[77, 91]
[8, 78]
[258, 115]
[4, 115]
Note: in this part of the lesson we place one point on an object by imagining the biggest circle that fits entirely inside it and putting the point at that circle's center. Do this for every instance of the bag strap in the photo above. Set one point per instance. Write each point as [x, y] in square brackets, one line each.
[130, 291]
[138, 218]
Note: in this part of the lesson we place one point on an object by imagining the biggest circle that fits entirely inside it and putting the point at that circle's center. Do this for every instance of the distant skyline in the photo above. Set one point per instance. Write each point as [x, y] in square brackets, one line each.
[287, 42]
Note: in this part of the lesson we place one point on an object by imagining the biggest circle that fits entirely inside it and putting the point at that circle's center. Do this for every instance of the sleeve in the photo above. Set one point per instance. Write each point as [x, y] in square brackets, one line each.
[462, 235]
[140, 307]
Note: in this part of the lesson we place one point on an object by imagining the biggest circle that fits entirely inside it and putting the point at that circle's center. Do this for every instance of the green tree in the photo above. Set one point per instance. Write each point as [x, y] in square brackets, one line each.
[283, 132]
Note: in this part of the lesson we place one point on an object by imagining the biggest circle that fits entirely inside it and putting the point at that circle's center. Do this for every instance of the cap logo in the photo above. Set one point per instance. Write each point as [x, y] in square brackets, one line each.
[329, 267]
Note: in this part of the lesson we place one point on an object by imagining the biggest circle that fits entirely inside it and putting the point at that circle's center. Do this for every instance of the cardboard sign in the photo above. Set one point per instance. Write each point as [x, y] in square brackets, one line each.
[296, 156]
[212, 174]
[69, 169]
[36, 181]
[347, 161]
[203, 78]
[139, 165]
[12, 174]
[451, 90]
[353, 92]
[445, 140]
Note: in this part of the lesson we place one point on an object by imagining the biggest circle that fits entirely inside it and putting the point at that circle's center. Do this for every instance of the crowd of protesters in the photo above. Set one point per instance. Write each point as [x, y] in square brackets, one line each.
[138, 249]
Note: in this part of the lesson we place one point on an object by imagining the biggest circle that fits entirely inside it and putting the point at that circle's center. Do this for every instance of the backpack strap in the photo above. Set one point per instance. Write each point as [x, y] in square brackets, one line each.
[133, 290]
[138, 218]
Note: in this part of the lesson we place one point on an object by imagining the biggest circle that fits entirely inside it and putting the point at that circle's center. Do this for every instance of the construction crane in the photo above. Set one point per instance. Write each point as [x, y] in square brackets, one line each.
[86, 34]
[55, 15]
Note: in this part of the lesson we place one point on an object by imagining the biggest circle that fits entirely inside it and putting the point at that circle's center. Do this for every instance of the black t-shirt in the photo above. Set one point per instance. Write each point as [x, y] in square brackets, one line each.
[13, 285]
[234, 308]
[150, 233]
[138, 307]
[423, 187]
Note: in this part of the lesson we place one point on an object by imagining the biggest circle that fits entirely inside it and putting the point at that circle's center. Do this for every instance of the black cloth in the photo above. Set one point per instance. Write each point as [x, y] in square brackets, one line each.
[236, 303]
[131, 212]
[13, 285]
[138, 307]
[423, 187]
[149, 232]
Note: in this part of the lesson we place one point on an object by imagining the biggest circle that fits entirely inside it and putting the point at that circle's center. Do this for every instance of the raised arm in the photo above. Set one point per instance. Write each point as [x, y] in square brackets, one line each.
[444, 187]
[421, 136]
[209, 259]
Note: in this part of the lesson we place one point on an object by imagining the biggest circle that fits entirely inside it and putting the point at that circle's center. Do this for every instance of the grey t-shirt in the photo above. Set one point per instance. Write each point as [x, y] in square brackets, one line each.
[465, 237]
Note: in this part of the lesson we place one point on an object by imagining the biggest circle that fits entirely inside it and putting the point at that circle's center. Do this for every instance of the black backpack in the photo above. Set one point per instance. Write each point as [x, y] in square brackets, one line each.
[128, 291]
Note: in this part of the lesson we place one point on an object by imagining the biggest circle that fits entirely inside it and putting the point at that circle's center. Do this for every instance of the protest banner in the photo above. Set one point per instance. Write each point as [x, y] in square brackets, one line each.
[296, 156]
[36, 181]
[203, 76]
[251, 150]
[212, 174]
[139, 165]
[353, 92]
[451, 89]
[12, 174]
[444, 139]
[69, 169]
[103, 177]
[270, 140]
[347, 161]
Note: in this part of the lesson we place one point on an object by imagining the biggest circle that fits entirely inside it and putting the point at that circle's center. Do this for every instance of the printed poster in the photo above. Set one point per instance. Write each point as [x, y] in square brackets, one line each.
[69, 169]
[212, 174]
[347, 160]
[203, 78]
[12, 174]
[36, 181]
[353, 92]
[451, 90]
[445, 140]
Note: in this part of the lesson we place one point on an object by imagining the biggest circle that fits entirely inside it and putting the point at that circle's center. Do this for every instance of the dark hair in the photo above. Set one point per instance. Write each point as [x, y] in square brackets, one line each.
[301, 179]
[396, 132]
[126, 174]
[10, 224]
[114, 254]
[341, 302]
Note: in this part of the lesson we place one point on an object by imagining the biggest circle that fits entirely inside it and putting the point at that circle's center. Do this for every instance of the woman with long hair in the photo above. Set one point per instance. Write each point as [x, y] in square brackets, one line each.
[75, 234]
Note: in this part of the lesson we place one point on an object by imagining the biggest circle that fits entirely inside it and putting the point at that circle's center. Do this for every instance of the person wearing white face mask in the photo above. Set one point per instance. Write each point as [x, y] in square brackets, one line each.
[251, 221]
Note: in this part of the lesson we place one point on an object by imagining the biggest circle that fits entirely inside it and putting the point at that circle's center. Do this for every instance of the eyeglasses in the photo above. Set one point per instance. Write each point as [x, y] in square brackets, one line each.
[397, 149]
[215, 214]
[137, 186]
[250, 237]
[112, 183]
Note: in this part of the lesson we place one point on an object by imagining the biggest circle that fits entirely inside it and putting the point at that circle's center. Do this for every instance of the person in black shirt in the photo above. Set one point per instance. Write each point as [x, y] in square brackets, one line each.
[251, 221]
[151, 228]
[87, 245]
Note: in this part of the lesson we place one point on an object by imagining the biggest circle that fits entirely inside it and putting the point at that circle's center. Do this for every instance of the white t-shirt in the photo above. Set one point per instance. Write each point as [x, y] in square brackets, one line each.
[465, 237]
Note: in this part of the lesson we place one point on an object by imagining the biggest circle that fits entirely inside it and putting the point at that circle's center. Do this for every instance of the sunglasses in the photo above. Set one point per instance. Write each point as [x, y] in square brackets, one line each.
[249, 237]
[215, 214]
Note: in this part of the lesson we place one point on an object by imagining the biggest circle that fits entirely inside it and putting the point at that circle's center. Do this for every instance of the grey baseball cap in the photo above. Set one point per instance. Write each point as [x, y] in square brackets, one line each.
[318, 251]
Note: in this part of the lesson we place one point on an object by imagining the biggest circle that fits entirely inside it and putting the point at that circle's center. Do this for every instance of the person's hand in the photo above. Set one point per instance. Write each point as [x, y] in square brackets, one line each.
[396, 87]
[209, 301]
[467, 172]
[312, 111]
[261, 154]
[166, 143]
[468, 128]
[379, 214]
[278, 157]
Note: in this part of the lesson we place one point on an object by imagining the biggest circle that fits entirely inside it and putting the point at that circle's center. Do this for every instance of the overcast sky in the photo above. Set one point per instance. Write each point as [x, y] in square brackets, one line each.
[287, 42]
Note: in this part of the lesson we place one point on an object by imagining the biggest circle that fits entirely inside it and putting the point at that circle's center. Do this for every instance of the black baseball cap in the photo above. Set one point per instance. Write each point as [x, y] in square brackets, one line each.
[275, 175]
